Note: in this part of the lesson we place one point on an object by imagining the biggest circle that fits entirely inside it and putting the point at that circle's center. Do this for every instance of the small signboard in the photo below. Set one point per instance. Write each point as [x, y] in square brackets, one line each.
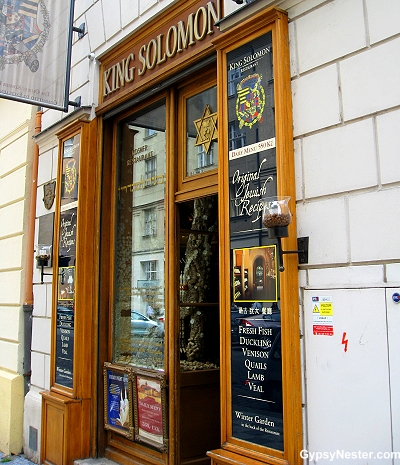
[322, 316]
[118, 399]
[150, 411]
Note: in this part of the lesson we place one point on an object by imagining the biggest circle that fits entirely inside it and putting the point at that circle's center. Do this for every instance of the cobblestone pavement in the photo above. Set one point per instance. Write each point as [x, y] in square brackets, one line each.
[14, 459]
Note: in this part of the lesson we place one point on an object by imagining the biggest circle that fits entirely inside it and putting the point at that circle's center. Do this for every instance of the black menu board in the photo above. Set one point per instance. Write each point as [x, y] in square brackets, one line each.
[256, 369]
[67, 235]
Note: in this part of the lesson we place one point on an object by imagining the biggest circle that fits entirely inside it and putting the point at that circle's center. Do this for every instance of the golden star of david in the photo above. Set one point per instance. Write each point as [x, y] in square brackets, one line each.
[206, 128]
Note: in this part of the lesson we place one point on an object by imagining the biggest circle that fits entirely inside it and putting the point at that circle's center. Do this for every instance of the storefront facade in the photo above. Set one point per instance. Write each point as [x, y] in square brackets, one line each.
[184, 302]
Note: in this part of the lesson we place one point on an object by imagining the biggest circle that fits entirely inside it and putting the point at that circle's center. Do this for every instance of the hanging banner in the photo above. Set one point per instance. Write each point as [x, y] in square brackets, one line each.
[35, 38]
[256, 368]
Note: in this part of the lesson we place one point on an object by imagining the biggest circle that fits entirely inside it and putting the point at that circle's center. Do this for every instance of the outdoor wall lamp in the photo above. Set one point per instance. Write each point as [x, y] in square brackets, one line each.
[80, 30]
[42, 259]
[276, 218]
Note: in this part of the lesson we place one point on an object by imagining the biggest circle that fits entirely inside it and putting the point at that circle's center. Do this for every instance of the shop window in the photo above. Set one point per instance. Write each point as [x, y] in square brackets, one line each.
[150, 222]
[150, 270]
[237, 138]
[165, 314]
[149, 132]
[233, 78]
[150, 170]
[139, 293]
[202, 133]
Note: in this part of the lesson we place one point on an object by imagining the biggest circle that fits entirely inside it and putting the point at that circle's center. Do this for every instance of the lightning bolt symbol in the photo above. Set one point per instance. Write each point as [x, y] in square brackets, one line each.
[344, 341]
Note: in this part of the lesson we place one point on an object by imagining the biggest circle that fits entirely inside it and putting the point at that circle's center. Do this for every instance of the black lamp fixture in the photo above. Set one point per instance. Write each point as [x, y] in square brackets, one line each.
[42, 259]
[276, 218]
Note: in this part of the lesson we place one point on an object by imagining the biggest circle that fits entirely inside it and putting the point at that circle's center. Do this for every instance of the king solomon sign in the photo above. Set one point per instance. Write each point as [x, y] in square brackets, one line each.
[34, 65]
[161, 49]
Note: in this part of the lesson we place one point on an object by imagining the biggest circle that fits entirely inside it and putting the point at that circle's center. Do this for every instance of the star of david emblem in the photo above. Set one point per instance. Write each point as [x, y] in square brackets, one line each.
[206, 128]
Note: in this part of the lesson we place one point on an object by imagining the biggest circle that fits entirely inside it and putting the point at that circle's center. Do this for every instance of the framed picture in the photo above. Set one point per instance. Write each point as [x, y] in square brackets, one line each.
[255, 274]
[150, 409]
[118, 399]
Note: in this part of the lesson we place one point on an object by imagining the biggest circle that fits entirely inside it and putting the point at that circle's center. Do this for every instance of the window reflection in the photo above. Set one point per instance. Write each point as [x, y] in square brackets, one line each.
[202, 132]
[139, 246]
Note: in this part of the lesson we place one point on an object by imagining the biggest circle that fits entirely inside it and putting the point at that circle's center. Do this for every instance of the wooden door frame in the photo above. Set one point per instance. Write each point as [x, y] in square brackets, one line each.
[274, 20]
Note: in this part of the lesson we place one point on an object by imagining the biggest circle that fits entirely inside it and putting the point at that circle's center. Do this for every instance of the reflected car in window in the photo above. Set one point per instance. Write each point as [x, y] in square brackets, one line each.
[141, 325]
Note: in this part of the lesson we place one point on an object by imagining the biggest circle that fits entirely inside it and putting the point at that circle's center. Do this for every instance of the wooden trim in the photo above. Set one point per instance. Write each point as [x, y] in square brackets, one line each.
[189, 184]
[276, 21]
[115, 445]
[71, 410]
[172, 365]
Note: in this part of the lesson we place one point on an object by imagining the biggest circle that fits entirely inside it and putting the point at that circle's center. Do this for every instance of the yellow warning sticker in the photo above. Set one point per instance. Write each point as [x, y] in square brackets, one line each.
[326, 308]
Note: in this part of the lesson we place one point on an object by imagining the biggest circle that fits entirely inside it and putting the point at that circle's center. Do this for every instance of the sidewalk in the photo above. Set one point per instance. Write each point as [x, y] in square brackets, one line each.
[14, 460]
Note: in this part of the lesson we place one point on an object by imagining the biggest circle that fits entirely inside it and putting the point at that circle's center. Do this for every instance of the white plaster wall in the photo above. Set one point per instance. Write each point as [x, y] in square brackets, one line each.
[346, 116]
[346, 108]
[14, 164]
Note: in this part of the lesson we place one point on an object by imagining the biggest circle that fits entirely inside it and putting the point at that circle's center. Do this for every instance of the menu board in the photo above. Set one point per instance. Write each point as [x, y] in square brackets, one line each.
[67, 236]
[256, 369]
[65, 346]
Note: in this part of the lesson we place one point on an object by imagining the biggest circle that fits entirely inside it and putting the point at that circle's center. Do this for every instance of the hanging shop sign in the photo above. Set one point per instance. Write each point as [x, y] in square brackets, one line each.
[256, 369]
[34, 64]
[178, 38]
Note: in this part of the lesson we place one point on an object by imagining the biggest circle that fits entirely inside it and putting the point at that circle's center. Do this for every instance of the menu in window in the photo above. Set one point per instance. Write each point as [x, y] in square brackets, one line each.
[256, 369]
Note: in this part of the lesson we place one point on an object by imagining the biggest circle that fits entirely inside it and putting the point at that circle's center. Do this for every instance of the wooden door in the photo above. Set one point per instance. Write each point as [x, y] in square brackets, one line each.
[160, 228]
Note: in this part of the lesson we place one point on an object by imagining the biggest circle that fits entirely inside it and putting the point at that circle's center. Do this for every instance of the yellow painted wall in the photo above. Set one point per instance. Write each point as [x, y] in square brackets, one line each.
[11, 412]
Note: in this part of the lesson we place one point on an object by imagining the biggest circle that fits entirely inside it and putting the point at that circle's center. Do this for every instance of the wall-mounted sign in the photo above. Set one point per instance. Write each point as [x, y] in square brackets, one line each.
[256, 368]
[322, 315]
[35, 40]
[179, 37]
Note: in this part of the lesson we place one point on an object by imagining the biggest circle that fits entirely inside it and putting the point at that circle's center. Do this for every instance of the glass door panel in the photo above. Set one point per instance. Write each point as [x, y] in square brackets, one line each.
[198, 284]
[139, 308]
[202, 132]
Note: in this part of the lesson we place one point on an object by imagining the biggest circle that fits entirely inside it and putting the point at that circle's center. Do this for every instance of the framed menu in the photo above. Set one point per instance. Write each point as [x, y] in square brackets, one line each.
[256, 366]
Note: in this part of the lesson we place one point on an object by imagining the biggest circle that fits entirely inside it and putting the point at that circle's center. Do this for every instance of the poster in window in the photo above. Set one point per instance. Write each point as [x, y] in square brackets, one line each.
[255, 274]
[70, 171]
[256, 368]
[150, 412]
[118, 399]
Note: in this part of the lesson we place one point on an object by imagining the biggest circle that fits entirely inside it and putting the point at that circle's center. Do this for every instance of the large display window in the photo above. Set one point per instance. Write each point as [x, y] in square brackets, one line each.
[160, 276]
[139, 304]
